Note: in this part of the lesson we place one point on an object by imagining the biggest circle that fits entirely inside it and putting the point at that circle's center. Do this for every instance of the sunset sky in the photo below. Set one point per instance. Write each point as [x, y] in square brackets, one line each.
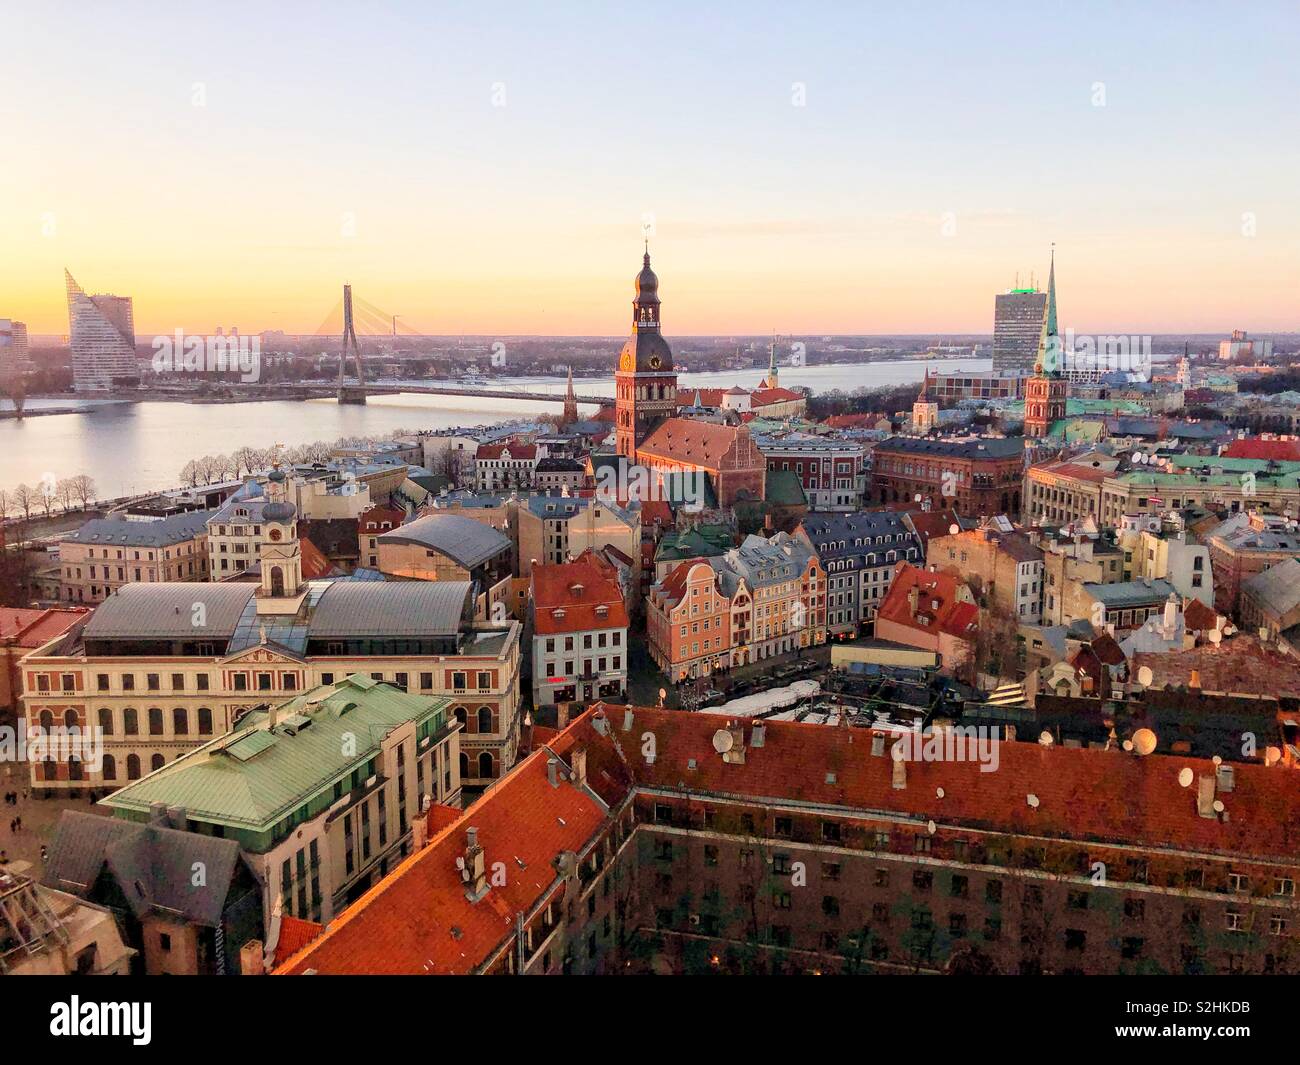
[230, 164]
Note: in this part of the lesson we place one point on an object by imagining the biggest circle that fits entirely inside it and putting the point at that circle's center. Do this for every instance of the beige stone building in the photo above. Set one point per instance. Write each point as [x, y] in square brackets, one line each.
[106, 554]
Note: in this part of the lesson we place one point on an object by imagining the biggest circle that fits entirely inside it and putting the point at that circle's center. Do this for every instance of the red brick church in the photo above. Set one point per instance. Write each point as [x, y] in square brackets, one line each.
[646, 427]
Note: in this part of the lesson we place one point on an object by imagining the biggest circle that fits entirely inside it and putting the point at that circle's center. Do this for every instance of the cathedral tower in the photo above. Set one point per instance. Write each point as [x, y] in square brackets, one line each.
[645, 383]
[1045, 391]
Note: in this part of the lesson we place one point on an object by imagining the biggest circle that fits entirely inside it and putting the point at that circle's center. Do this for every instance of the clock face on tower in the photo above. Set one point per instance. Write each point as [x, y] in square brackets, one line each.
[654, 362]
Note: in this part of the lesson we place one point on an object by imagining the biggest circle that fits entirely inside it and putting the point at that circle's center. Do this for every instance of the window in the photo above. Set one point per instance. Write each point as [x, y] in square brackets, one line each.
[106, 721]
[830, 870]
[205, 721]
[960, 887]
[922, 880]
[180, 721]
[155, 721]
[784, 827]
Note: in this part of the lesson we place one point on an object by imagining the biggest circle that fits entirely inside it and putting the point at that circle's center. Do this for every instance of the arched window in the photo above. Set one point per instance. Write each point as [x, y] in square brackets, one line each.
[461, 716]
[180, 721]
[129, 723]
[106, 721]
[155, 721]
[132, 767]
[109, 769]
[74, 768]
[156, 762]
[485, 765]
[70, 718]
[47, 720]
[277, 581]
[205, 721]
[464, 765]
[485, 719]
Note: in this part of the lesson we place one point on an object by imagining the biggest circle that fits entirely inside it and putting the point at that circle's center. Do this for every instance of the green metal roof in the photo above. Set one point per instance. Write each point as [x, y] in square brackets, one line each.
[255, 777]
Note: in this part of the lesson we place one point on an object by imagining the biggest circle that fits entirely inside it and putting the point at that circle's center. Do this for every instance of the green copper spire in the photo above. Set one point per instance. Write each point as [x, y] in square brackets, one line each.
[1049, 342]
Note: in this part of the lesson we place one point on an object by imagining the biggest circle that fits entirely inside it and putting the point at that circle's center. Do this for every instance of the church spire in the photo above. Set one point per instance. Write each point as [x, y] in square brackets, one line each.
[771, 381]
[570, 402]
[1049, 359]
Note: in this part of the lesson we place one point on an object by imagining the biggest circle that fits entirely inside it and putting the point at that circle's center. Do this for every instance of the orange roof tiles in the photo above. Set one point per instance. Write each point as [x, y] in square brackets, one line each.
[694, 443]
[936, 600]
[419, 920]
[31, 628]
[496, 451]
[578, 589]
[295, 933]
[1255, 448]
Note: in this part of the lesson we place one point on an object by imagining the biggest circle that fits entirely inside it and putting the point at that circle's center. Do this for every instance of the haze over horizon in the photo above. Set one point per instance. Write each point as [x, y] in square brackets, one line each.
[235, 184]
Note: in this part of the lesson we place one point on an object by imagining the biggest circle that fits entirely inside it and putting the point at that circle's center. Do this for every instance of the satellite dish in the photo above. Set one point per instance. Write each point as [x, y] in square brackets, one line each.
[1218, 806]
[1145, 676]
[662, 694]
[938, 792]
[723, 741]
[1032, 799]
[1217, 760]
[953, 530]
[1127, 745]
[916, 498]
[1045, 738]
[931, 827]
[1215, 637]
[1185, 777]
[1144, 741]
[1272, 755]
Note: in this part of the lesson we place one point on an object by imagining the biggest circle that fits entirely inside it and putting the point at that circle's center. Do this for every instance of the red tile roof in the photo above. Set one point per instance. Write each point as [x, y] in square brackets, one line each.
[577, 588]
[936, 601]
[295, 933]
[31, 628]
[1238, 664]
[419, 920]
[696, 443]
[496, 451]
[765, 397]
[380, 519]
[1198, 617]
[1079, 472]
[1255, 448]
[314, 563]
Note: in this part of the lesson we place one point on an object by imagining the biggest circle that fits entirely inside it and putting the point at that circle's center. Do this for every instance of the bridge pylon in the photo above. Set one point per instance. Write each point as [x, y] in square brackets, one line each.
[350, 393]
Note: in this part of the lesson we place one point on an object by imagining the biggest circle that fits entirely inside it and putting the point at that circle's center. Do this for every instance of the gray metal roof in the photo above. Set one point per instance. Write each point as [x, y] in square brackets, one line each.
[169, 611]
[984, 447]
[391, 609]
[118, 532]
[466, 542]
[152, 865]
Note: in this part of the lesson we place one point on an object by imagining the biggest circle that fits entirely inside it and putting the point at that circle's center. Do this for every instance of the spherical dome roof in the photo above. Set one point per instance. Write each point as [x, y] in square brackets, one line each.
[279, 512]
[276, 475]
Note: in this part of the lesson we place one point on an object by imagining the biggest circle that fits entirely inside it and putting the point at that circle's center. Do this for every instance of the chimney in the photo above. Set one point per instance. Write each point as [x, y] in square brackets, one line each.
[158, 814]
[900, 771]
[1194, 681]
[1171, 616]
[578, 760]
[758, 735]
[913, 597]
[1205, 796]
[472, 867]
[561, 716]
[176, 817]
[627, 720]
[877, 745]
[553, 771]
[736, 755]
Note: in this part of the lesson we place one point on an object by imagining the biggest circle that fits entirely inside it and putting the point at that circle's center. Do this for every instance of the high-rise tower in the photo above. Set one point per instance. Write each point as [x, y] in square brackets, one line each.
[645, 383]
[101, 331]
[1046, 390]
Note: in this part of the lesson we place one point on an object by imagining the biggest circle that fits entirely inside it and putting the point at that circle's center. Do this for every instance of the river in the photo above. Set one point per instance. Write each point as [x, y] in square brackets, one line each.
[129, 448]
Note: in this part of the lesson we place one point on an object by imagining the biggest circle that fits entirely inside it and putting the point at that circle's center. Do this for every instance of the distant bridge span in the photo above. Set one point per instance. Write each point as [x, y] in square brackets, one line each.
[376, 388]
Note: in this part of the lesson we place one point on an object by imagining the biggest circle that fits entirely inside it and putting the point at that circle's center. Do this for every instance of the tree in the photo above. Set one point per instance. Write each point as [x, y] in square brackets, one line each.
[64, 492]
[246, 459]
[83, 489]
[24, 500]
[190, 473]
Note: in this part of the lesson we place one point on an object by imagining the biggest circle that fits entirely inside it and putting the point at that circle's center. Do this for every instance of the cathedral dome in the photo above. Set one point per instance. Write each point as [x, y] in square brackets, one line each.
[646, 353]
